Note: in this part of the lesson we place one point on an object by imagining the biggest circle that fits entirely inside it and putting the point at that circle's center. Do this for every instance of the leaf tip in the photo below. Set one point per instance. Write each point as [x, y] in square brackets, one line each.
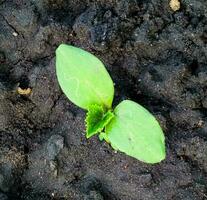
[60, 47]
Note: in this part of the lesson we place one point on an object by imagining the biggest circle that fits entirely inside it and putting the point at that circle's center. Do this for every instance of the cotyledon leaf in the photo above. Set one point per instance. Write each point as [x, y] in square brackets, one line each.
[83, 77]
[136, 132]
[96, 120]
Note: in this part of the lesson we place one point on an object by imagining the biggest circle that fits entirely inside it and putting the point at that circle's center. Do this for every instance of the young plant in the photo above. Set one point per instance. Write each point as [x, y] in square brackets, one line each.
[129, 128]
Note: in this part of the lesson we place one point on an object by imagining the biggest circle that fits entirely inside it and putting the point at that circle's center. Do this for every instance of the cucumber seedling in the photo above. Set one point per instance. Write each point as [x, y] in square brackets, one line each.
[129, 127]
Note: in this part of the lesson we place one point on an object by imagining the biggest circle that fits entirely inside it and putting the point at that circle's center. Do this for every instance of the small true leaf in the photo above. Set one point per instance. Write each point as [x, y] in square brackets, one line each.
[136, 132]
[103, 136]
[96, 120]
[94, 115]
[83, 77]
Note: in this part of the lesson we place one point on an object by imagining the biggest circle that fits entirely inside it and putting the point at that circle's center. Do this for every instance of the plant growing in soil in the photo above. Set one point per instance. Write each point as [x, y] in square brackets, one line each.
[129, 128]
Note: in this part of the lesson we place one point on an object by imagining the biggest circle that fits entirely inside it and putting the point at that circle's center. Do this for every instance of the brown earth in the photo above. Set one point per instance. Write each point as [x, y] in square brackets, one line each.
[156, 57]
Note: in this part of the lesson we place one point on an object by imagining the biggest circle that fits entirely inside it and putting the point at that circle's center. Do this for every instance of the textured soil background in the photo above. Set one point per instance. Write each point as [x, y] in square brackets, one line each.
[155, 56]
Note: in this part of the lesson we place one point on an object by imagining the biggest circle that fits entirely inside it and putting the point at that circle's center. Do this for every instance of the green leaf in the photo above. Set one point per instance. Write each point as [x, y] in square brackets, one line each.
[103, 136]
[93, 117]
[83, 77]
[136, 132]
[96, 120]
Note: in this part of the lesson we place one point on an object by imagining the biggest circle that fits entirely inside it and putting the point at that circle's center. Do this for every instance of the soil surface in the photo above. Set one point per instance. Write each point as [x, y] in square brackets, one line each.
[156, 57]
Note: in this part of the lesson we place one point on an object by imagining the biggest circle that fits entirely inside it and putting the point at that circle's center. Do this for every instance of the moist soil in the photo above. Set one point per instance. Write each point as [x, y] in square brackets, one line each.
[156, 57]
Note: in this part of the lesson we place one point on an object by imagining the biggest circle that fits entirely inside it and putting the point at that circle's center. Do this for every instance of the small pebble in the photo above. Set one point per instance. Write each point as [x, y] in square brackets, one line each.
[24, 91]
[200, 123]
[15, 34]
[175, 5]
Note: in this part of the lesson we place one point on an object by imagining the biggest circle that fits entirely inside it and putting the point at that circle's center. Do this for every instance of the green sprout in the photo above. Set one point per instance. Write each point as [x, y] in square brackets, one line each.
[129, 128]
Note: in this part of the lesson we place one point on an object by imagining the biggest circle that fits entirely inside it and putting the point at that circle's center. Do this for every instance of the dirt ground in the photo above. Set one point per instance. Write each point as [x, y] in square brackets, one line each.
[156, 57]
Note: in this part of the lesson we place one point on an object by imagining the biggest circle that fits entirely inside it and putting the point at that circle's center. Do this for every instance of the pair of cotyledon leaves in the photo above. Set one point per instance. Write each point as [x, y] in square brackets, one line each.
[129, 128]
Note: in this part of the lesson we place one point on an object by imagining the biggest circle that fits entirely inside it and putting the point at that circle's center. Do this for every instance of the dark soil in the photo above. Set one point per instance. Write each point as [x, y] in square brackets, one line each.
[155, 56]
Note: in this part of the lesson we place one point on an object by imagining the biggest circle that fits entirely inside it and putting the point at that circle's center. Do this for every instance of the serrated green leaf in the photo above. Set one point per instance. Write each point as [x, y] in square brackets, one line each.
[93, 117]
[96, 120]
[136, 132]
[83, 77]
